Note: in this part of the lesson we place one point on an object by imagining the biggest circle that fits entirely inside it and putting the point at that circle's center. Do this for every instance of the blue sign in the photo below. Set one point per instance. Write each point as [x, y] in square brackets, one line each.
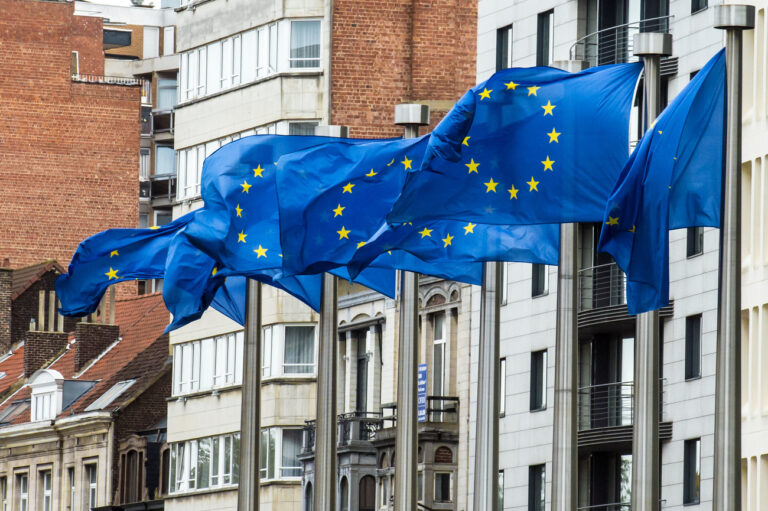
[421, 400]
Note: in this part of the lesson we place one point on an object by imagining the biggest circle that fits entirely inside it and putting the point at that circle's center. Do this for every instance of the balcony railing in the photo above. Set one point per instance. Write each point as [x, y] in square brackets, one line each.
[610, 404]
[163, 187]
[355, 426]
[440, 409]
[601, 286]
[109, 80]
[614, 45]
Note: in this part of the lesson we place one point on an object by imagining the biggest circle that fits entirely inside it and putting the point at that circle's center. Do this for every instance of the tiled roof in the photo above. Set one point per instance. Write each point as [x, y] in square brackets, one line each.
[13, 369]
[22, 278]
[141, 354]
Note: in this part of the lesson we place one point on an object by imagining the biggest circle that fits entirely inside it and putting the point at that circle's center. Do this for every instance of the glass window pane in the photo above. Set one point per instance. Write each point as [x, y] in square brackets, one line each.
[166, 93]
[203, 462]
[305, 44]
[248, 61]
[214, 67]
[299, 353]
[290, 465]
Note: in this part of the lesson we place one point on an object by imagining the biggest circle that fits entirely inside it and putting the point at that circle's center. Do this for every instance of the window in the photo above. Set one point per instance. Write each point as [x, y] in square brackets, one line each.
[305, 44]
[143, 222]
[204, 463]
[538, 380]
[692, 347]
[3, 494]
[90, 478]
[438, 354]
[698, 5]
[504, 283]
[503, 385]
[144, 162]
[280, 449]
[545, 38]
[46, 491]
[695, 241]
[539, 280]
[71, 478]
[110, 395]
[501, 489]
[420, 486]
[504, 48]
[384, 490]
[43, 406]
[288, 350]
[302, 128]
[443, 483]
[22, 492]
[165, 160]
[166, 93]
[162, 217]
[208, 364]
[692, 471]
[537, 487]
[75, 63]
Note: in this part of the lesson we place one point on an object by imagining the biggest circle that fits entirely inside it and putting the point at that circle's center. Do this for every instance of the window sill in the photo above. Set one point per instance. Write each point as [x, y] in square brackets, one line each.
[693, 378]
[694, 256]
[195, 493]
[296, 379]
[204, 393]
[288, 481]
[545, 293]
[537, 410]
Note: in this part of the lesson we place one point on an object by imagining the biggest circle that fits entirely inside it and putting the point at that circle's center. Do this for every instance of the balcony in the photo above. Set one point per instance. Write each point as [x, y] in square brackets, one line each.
[602, 286]
[162, 189]
[163, 124]
[606, 414]
[614, 45]
[440, 410]
[354, 428]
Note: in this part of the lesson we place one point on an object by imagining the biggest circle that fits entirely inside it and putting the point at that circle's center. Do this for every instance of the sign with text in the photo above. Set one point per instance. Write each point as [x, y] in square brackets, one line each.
[421, 400]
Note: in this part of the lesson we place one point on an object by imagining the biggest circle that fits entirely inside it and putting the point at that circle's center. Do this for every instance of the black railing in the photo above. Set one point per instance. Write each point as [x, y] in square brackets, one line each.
[361, 426]
[440, 409]
[610, 404]
[614, 45]
[163, 186]
[602, 286]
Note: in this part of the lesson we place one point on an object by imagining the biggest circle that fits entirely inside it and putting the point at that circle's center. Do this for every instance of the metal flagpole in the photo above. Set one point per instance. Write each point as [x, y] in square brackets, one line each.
[411, 116]
[325, 425]
[645, 427]
[486, 488]
[250, 431]
[564, 442]
[727, 471]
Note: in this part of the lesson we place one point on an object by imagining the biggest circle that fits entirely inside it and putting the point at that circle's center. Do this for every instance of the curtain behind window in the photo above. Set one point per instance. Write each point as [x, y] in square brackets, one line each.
[299, 349]
[305, 44]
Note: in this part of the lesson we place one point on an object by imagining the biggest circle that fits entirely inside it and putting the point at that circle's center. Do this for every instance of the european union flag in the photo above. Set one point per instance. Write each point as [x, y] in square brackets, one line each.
[672, 180]
[333, 200]
[527, 146]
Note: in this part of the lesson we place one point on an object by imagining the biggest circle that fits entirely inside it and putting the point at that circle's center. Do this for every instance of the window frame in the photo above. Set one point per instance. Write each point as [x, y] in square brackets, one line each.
[273, 351]
[537, 480]
[538, 386]
[222, 464]
[694, 242]
[435, 475]
[46, 490]
[503, 386]
[698, 6]
[545, 23]
[91, 473]
[504, 57]
[691, 447]
[204, 364]
[273, 454]
[540, 275]
[21, 480]
[319, 58]
[693, 358]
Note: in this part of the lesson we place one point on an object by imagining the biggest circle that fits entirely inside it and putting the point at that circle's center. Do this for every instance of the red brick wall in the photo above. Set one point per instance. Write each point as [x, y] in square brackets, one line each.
[92, 339]
[68, 151]
[387, 52]
[27, 306]
[6, 279]
[41, 347]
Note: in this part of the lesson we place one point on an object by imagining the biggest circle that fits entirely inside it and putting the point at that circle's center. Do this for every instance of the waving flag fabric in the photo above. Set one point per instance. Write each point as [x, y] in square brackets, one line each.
[527, 146]
[672, 180]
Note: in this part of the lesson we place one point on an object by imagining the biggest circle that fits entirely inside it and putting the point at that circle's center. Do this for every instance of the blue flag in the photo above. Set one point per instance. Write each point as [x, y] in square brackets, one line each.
[334, 198]
[672, 180]
[527, 146]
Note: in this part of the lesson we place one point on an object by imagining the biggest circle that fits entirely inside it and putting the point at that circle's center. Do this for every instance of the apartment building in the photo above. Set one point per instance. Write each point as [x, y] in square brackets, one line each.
[252, 67]
[522, 34]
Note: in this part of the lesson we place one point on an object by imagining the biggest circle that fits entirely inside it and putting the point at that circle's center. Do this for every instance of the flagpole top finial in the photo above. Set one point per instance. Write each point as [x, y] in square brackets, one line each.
[734, 17]
[648, 44]
[411, 114]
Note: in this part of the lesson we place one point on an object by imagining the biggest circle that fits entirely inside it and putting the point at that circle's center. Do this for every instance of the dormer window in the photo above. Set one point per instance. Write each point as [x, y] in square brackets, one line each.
[47, 386]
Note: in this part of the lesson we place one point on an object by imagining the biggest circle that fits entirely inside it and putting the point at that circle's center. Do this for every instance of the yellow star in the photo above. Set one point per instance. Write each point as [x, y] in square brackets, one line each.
[533, 184]
[241, 237]
[612, 220]
[258, 171]
[338, 210]
[659, 132]
[486, 94]
[533, 90]
[511, 85]
[553, 136]
[245, 186]
[360, 244]
[513, 192]
[348, 188]
[343, 233]
[213, 272]
[113, 254]
[390, 163]
[472, 166]
[239, 210]
[112, 274]
[260, 252]
[371, 173]
[425, 232]
[466, 141]
[155, 227]
[490, 186]
[447, 240]
[548, 108]
[469, 228]
[632, 229]
[406, 163]
[548, 164]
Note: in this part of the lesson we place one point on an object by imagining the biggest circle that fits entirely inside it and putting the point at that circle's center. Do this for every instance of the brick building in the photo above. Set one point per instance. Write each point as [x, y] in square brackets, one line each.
[69, 139]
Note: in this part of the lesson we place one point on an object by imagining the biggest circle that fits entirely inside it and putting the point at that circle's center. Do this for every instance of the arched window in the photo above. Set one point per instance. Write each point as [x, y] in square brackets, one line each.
[344, 495]
[308, 501]
[367, 494]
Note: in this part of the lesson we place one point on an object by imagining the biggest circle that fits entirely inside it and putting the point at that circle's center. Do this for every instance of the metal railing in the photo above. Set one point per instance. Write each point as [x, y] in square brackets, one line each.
[163, 186]
[610, 404]
[614, 45]
[440, 409]
[601, 286]
[109, 80]
[360, 426]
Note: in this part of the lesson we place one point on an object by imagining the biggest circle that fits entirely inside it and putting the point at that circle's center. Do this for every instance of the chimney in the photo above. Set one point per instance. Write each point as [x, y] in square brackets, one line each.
[6, 280]
[40, 348]
[92, 340]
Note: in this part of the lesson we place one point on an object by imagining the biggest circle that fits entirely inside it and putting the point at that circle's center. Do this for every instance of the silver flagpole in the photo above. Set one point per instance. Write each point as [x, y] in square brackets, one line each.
[411, 116]
[565, 451]
[645, 427]
[727, 472]
[486, 488]
[325, 436]
[250, 420]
